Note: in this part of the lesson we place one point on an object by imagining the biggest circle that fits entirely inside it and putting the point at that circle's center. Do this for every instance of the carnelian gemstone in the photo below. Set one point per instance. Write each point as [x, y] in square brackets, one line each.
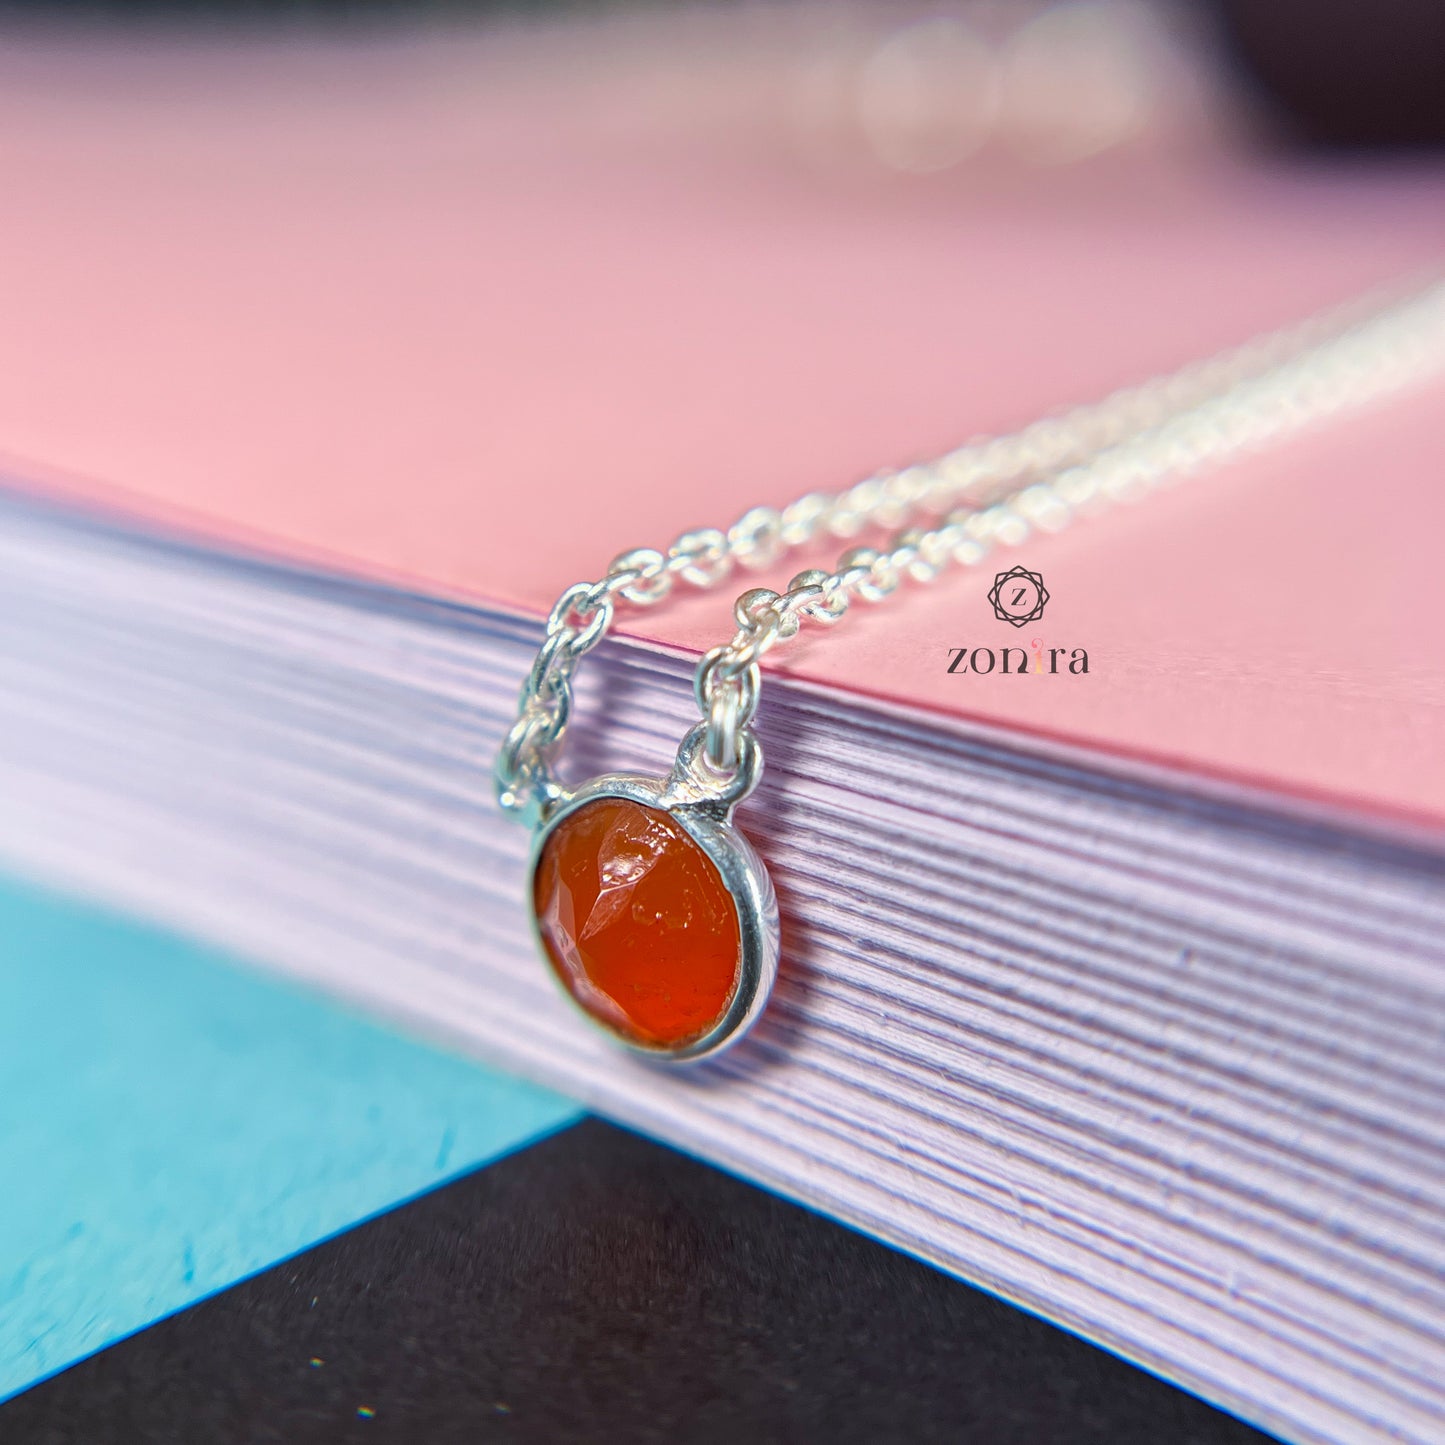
[637, 922]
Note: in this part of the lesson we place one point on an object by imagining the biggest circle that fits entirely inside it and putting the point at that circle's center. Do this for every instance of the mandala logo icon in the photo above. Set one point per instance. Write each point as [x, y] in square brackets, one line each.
[1018, 596]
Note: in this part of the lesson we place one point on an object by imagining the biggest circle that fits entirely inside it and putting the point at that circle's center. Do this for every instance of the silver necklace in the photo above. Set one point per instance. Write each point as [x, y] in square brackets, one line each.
[649, 905]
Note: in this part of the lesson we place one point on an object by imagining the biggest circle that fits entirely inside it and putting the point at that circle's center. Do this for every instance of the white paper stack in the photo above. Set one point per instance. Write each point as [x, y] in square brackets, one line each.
[1159, 1060]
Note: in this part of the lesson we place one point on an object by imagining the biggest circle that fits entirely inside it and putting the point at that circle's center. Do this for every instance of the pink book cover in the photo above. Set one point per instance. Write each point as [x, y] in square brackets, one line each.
[417, 313]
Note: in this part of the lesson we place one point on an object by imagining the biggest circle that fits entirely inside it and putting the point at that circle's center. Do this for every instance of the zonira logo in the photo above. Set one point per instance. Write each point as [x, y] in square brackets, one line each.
[1045, 660]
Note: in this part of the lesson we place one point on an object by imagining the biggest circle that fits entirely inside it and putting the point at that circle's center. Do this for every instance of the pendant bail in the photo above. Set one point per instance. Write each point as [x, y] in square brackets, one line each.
[695, 781]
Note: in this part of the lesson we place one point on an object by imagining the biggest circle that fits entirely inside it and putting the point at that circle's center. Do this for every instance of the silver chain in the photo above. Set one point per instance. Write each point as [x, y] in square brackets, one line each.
[994, 491]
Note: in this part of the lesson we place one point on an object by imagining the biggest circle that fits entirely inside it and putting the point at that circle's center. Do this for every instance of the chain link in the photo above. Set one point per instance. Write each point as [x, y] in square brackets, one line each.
[992, 492]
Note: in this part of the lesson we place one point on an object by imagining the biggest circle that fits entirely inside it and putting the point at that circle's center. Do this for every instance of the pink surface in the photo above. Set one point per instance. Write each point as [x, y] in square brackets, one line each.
[425, 313]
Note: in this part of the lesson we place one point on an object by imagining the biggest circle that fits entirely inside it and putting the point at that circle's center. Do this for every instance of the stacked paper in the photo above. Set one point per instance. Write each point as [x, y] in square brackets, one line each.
[1161, 1059]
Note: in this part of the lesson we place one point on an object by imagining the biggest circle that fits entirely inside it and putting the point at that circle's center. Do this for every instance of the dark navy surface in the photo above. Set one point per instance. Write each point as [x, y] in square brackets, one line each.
[596, 1286]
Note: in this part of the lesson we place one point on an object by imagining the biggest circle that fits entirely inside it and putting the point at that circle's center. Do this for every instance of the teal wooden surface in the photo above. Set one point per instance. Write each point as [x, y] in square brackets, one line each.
[171, 1121]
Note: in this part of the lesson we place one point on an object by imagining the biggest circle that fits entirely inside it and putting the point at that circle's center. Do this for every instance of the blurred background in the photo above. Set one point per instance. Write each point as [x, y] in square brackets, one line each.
[929, 86]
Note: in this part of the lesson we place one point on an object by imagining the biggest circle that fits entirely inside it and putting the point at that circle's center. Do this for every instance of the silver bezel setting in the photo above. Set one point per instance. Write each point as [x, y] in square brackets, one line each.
[706, 817]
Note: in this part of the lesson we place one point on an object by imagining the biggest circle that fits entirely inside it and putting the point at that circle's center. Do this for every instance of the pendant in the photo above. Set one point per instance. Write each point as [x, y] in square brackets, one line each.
[655, 913]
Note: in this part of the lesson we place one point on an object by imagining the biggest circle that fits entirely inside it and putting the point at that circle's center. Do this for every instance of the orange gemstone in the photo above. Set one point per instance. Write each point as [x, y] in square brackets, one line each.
[638, 923]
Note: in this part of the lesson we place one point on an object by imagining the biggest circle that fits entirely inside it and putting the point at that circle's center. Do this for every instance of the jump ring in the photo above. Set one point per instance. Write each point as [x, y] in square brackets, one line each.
[710, 679]
[721, 743]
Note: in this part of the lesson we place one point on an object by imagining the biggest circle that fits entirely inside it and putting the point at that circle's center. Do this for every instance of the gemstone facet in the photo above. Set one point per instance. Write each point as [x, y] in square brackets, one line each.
[637, 922]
